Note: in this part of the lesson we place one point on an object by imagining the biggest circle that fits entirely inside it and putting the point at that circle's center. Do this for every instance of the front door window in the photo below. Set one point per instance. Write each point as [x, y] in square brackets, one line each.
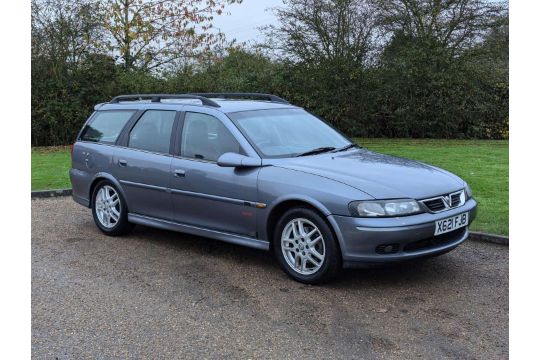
[205, 137]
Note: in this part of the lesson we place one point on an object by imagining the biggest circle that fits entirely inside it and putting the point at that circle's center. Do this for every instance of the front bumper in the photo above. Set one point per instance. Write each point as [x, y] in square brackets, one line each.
[364, 240]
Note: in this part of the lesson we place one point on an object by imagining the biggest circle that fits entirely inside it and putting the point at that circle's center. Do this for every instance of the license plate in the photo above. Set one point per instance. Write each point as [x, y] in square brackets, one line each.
[451, 223]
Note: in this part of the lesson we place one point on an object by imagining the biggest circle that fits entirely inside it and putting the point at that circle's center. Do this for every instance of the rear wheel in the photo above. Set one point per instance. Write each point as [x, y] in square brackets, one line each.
[109, 209]
[305, 246]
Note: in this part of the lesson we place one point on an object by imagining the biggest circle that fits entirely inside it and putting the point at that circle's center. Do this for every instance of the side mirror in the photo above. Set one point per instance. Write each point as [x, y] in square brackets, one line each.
[236, 160]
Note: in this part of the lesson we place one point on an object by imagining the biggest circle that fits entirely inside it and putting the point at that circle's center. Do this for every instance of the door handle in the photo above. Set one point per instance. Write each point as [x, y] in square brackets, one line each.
[122, 162]
[179, 173]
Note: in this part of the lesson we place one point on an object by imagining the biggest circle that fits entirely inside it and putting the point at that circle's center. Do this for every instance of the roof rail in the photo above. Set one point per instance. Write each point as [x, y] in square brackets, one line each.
[98, 106]
[270, 97]
[159, 97]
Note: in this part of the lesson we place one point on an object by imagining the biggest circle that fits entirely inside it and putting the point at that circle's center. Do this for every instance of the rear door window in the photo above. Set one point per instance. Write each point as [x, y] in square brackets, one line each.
[152, 132]
[106, 126]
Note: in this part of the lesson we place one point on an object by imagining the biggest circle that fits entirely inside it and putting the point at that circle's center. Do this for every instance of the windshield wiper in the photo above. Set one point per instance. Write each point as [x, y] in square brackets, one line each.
[317, 150]
[347, 147]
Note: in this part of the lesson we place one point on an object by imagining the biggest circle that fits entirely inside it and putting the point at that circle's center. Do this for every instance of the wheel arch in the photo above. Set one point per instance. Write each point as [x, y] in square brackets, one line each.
[282, 205]
[104, 176]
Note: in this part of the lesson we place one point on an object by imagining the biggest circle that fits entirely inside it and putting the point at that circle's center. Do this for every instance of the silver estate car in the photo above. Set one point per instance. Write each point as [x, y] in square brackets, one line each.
[254, 170]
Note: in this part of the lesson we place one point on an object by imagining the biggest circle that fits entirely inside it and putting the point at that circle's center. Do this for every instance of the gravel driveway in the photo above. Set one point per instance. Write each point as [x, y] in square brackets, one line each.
[158, 294]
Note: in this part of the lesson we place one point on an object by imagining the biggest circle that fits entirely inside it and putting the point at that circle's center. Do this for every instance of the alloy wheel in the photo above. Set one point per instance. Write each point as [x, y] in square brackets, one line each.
[108, 207]
[303, 247]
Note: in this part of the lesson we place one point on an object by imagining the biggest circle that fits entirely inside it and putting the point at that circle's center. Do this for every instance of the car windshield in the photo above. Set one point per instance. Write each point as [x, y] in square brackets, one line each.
[288, 132]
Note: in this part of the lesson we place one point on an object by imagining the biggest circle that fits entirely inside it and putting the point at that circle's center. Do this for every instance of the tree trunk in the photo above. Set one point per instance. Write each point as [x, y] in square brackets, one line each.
[127, 40]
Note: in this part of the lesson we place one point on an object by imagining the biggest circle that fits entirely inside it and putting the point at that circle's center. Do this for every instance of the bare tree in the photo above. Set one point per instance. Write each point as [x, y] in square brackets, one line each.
[63, 31]
[454, 24]
[315, 30]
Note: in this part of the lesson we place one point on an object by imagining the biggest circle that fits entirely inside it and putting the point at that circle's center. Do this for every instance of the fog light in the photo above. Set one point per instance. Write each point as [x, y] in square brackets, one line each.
[387, 249]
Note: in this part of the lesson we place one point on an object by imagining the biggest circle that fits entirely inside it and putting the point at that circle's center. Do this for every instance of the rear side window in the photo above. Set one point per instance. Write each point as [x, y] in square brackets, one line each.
[106, 126]
[153, 131]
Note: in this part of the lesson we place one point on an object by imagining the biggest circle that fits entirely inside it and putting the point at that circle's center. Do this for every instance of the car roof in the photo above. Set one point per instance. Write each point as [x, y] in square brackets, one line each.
[225, 105]
[229, 106]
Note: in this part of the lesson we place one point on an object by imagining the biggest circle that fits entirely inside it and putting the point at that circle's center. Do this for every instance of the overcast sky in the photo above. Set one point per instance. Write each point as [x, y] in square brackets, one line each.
[245, 18]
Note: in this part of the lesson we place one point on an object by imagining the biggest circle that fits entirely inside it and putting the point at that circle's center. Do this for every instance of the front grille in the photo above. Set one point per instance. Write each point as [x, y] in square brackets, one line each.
[435, 241]
[455, 199]
[435, 204]
[445, 202]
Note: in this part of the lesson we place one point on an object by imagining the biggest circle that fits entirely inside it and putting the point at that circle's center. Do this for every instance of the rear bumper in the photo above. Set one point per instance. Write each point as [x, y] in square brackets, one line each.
[80, 183]
[363, 240]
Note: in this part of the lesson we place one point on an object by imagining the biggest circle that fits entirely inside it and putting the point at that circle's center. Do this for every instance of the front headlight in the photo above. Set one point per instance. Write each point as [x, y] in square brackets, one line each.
[380, 208]
[468, 191]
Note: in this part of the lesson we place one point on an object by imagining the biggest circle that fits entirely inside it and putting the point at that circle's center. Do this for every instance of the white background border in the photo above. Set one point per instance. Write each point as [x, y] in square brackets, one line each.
[15, 250]
[15, 203]
[524, 178]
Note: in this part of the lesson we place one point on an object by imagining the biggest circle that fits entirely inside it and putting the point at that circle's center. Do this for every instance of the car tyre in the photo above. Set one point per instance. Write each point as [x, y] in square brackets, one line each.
[109, 209]
[300, 238]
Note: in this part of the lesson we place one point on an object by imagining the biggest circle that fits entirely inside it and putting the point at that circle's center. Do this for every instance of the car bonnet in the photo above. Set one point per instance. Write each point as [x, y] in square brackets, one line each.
[381, 176]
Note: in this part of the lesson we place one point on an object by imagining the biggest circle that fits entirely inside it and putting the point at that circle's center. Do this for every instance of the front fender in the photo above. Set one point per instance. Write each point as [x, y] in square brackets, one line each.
[299, 197]
[277, 185]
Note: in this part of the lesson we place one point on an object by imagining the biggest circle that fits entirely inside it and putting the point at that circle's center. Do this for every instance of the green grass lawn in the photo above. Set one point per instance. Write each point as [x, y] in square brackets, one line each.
[50, 167]
[482, 163]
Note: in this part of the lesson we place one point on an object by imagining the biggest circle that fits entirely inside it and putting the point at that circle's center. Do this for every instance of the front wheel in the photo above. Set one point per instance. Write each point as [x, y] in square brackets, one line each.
[306, 247]
[109, 209]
